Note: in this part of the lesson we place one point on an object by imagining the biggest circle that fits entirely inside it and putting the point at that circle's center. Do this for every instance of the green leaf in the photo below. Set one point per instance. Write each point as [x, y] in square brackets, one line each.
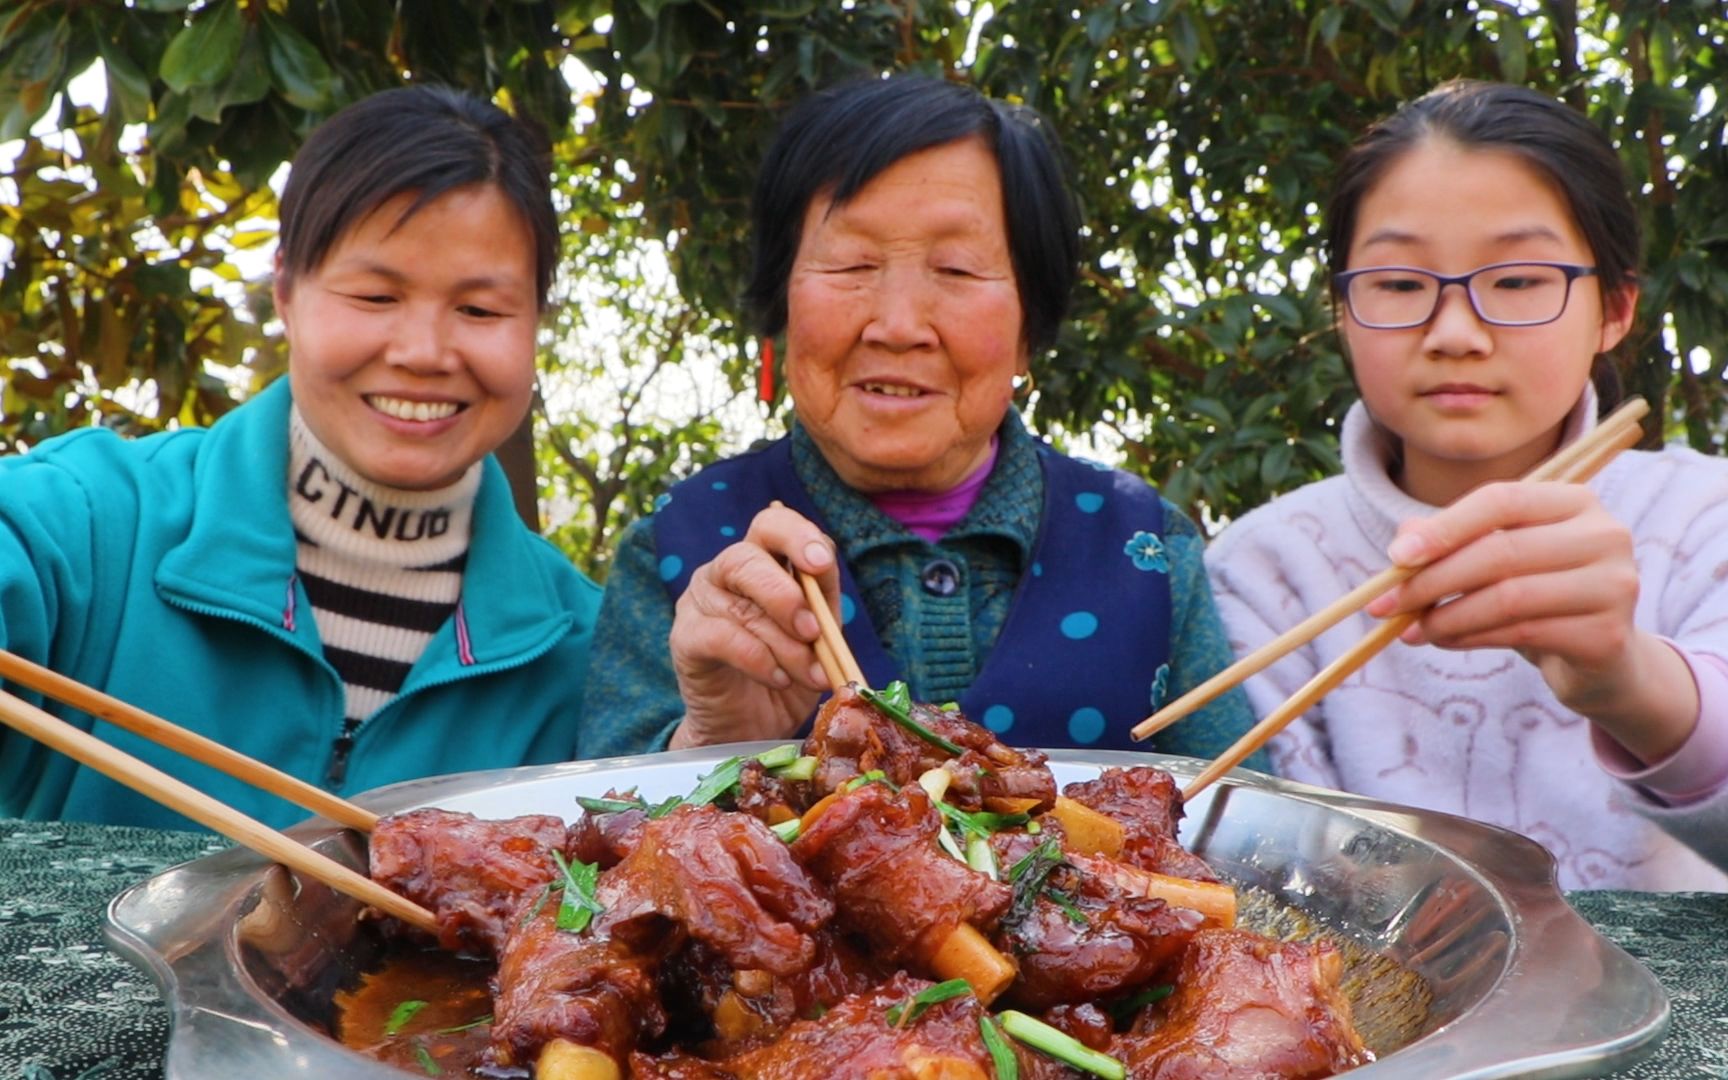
[400, 1015]
[128, 86]
[296, 69]
[912, 1008]
[203, 53]
[578, 906]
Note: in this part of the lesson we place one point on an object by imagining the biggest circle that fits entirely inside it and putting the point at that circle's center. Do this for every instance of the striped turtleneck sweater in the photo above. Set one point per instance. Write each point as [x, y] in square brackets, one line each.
[382, 568]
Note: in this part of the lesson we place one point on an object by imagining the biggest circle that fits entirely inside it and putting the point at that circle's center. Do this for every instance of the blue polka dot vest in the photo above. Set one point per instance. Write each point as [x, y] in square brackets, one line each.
[1085, 650]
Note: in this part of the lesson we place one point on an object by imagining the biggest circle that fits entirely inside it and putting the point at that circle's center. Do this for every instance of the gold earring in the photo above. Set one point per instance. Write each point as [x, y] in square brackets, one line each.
[1023, 388]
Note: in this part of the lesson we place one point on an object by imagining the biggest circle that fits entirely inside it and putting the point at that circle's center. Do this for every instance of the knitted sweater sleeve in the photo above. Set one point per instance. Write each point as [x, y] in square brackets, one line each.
[1257, 601]
[1199, 649]
[632, 703]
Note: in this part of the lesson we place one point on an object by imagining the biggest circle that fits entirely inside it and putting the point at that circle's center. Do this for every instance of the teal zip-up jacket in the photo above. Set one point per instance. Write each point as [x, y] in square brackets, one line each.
[162, 570]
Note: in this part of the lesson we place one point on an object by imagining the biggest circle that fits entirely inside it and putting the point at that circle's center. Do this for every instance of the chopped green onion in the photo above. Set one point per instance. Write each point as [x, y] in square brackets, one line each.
[400, 1015]
[578, 906]
[1033, 828]
[871, 777]
[895, 702]
[1068, 906]
[1125, 1009]
[1048, 851]
[1001, 1054]
[950, 845]
[779, 757]
[982, 823]
[801, 768]
[610, 806]
[950, 706]
[1028, 875]
[980, 858]
[1064, 1048]
[427, 1063]
[478, 1021]
[913, 1007]
[788, 830]
[716, 783]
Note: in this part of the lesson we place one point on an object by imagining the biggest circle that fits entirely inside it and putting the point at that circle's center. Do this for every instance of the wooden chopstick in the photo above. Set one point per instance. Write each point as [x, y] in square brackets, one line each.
[195, 746]
[1621, 420]
[1576, 468]
[85, 748]
[839, 659]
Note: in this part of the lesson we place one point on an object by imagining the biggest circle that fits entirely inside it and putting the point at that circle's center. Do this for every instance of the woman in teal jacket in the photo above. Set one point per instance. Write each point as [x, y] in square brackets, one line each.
[332, 578]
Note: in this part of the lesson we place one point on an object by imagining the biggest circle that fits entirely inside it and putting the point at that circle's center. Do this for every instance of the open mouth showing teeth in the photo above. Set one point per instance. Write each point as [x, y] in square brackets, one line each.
[402, 409]
[893, 390]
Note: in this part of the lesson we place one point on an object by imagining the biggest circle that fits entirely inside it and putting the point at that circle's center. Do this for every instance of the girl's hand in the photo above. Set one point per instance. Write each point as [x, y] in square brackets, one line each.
[742, 634]
[1542, 568]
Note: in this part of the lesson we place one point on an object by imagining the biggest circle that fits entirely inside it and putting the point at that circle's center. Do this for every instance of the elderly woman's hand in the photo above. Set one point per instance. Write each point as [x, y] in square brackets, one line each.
[742, 634]
[1542, 568]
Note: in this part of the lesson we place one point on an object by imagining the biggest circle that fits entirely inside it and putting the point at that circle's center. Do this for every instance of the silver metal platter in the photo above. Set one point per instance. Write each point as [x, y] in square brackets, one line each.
[1474, 964]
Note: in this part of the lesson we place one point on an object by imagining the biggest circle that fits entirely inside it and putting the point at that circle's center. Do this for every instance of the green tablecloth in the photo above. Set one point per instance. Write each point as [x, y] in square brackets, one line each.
[70, 1009]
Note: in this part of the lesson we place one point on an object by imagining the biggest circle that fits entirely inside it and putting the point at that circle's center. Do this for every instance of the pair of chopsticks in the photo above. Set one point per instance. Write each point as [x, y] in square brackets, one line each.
[1575, 464]
[832, 653]
[177, 795]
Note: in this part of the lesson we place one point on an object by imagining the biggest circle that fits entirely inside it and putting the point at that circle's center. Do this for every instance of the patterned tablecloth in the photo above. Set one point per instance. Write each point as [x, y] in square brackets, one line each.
[71, 1010]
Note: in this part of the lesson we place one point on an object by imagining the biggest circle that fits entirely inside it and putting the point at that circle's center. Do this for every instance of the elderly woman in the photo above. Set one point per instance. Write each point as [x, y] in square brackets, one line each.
[916, 244]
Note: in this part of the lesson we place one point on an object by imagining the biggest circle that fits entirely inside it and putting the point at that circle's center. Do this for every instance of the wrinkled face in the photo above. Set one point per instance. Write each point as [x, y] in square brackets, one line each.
[904, 322]
[412, 343]
[1474, 402]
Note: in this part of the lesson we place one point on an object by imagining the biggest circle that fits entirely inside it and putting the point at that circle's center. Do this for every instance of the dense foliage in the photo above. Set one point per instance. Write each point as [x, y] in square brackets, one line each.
[1201, 134]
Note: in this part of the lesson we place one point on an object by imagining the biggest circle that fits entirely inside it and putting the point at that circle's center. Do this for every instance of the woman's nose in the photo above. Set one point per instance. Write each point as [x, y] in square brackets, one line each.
[421, 342]
[900, 315]
[1455, 329]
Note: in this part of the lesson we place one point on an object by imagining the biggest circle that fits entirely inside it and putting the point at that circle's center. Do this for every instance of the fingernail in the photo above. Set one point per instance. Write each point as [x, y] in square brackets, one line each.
[1410, 549]
[781, 679]
[806, 626]
[818, 677]
[1382, 605]
[818, 554]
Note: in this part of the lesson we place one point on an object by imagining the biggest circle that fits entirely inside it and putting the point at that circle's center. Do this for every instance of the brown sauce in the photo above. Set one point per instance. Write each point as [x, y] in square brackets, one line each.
[446, 1036]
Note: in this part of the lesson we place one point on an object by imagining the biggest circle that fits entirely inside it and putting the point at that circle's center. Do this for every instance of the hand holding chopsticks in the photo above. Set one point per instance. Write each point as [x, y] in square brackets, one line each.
[177, 795]
[1576, 463]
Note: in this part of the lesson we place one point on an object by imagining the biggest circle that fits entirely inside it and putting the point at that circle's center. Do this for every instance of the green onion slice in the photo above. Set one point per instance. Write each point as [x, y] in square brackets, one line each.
[913, 1007]
[428, 1064]
[1064, 1048]
[610, 806]
[895, 702]
[788, 830]
[1001, 1054]
[1125, 1009]
[983, 823]
[578, 906]
[478, 1021]
[801, 768]
[400, 1015]
[779, 757]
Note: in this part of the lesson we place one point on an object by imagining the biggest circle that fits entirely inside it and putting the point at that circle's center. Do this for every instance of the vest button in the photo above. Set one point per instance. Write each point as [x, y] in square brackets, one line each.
[940, 578]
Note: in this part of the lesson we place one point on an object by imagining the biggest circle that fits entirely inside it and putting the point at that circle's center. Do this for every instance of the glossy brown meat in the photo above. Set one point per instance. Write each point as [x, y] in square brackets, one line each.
[854, 1041]
[852, 737]
[768, 798]
[471, 873]
[875, 850]
[749, 1007]
[603, 839]
[1149, 806]
[721, 878]
[1103, 942]
[557, 984]
[1246, 1006]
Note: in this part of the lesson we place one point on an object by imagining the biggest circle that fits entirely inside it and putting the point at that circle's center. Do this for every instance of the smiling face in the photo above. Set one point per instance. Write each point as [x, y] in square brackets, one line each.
[1473, 402]
[904, 322]
[412, 343]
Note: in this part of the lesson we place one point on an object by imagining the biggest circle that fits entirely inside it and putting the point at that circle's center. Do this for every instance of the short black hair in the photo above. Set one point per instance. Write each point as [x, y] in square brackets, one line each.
[1555, 139]
[423, 139]
[839, 139]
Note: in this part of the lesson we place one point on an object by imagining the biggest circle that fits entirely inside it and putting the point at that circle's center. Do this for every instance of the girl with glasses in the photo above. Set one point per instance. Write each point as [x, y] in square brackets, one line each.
[1572, 684]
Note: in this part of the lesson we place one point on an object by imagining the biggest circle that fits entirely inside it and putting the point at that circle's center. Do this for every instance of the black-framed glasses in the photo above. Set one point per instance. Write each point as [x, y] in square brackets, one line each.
[1501, 294]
